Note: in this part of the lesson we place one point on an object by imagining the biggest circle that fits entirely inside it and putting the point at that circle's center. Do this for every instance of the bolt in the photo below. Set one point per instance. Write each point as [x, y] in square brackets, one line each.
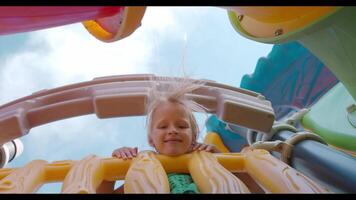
[278, 32]
[351, 108]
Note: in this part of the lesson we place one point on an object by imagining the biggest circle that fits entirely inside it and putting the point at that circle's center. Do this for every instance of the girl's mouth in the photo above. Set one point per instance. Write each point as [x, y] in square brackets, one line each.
[173, 140]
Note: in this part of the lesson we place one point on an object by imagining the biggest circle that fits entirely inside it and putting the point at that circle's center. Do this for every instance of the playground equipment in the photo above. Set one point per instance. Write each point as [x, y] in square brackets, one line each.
[10, 151]
[106, 23]
[126, 96]
[329, 34]
[296, 126]
[148, 173]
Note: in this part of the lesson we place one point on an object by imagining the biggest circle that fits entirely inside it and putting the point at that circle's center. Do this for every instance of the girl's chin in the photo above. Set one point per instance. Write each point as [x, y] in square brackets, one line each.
[173, 153]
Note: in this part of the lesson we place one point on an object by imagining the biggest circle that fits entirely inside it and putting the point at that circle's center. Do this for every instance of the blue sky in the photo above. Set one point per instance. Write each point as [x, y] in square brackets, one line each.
[200, 38]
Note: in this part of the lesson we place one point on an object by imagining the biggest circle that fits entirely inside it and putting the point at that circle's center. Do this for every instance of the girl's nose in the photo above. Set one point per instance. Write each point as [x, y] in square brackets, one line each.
[172, 130]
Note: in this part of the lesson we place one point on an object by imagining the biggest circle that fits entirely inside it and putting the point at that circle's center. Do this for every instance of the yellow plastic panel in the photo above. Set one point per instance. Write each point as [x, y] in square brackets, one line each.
[178, 164]
[6, 171]
[211, 177]
[234, 162]
[56, 171]
[131, 21]
[84, 177]
[115, 169]
[275, 176]
[214, 138]
[27, 179]
[271, 21]
[146, 175]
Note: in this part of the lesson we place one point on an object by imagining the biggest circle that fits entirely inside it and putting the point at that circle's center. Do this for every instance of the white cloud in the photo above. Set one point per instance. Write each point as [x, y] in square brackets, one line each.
[161, 20]
[20, 76]
[69, 54]
[75, 55]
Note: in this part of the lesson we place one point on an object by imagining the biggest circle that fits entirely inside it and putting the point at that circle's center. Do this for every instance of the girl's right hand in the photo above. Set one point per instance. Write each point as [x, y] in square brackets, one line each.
[125, 152]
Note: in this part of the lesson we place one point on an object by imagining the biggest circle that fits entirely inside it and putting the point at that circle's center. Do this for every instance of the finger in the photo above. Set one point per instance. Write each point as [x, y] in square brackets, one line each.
[216, 150]
[128, 153]
[136, 151]
[116, 154]
[132, 152]
[209, 148]
[123, 155]
[113, 154]
[202, 147]
[196, 146]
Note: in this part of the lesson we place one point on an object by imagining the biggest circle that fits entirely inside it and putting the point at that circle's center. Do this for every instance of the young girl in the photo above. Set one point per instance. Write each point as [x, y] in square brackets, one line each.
[172, 128]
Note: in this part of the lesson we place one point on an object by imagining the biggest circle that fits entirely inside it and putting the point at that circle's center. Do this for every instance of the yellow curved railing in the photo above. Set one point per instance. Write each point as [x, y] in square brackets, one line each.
[147, 173]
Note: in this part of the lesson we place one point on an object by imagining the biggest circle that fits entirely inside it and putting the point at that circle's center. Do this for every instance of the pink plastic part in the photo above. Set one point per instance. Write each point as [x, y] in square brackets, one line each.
[15, 19]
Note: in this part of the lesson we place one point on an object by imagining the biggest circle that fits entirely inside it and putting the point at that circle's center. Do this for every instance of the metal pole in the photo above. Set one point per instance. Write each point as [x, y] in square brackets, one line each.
[327, 166]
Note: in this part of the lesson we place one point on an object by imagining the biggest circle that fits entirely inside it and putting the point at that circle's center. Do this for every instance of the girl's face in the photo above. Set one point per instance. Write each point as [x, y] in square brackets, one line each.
[171, 132]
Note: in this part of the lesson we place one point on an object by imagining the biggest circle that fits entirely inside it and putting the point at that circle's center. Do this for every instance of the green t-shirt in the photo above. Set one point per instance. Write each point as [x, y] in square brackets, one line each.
[182, 184]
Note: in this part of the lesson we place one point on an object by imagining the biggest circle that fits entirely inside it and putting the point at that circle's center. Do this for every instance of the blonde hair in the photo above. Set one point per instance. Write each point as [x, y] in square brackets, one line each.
[171, 89]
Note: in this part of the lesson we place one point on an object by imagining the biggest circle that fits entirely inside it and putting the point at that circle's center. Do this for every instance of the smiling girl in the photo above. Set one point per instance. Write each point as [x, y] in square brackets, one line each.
[172, 128]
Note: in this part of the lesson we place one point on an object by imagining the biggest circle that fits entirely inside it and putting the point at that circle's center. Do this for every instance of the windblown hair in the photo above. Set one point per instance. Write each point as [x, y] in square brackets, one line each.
[170, 89]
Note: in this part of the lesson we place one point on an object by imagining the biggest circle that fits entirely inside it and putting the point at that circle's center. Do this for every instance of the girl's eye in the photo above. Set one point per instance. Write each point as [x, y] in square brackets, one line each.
[183, 126]
[162, 126]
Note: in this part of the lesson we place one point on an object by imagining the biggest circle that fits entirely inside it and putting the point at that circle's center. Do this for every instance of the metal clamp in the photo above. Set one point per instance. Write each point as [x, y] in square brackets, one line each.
[286, 147]
[261, 137]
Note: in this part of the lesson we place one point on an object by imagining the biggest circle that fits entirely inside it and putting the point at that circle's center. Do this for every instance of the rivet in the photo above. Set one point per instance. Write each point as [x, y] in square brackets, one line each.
[278, 32]
[351, 108]
[351, 115]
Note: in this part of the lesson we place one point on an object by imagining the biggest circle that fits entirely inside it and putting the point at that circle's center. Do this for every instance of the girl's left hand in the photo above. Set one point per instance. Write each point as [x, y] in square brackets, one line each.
[206, 147]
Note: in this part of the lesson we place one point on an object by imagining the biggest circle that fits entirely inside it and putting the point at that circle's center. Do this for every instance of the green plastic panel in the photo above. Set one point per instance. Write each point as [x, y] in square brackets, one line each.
[328, 118]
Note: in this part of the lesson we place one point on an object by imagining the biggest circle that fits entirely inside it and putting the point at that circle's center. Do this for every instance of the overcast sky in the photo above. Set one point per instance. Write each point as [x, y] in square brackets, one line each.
[54, 57]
